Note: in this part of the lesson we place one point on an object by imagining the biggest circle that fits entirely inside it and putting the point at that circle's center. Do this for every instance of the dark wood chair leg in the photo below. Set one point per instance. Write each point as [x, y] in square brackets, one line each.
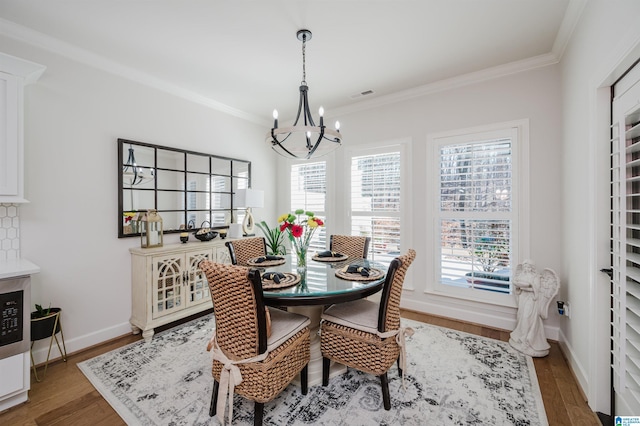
[386, 398]
[399, 369]
[258, 413]
[304, 379]
[214, 399]
[326, 363]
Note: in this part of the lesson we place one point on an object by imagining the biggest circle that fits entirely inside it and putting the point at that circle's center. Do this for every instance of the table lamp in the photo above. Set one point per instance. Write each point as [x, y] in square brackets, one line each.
[249, 198]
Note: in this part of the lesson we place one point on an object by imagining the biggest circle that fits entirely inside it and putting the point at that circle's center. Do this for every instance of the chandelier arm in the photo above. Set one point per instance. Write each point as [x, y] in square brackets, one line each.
[275, 142]
[337, 136]
[300, 104]
[286, 150]
[275, 138]
[320, 137]
[308, 119]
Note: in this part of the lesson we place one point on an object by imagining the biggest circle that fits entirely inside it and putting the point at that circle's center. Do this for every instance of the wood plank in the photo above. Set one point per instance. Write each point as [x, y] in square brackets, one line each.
[66, 397]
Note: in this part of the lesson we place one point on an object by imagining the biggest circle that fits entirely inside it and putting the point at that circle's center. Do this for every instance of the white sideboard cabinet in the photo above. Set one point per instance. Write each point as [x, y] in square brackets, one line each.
[167, 285]
[15, 73]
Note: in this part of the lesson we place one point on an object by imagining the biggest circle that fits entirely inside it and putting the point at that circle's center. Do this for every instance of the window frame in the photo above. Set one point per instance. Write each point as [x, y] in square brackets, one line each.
[318, 238]
[520, 240]
[405, 214]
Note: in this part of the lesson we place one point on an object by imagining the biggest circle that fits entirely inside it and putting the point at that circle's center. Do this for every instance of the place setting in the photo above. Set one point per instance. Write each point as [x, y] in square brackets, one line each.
[278, 280]
[359, 273]
[329, 256]
[265, 261]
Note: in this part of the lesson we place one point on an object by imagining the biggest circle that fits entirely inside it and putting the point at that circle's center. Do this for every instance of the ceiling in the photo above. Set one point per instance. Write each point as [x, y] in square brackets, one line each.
[243, 56]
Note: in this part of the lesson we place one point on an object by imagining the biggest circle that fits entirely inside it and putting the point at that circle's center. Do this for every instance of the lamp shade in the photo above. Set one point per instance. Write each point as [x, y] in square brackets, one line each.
[249, 198]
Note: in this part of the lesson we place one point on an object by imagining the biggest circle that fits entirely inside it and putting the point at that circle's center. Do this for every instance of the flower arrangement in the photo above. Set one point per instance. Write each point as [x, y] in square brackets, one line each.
[300, 227]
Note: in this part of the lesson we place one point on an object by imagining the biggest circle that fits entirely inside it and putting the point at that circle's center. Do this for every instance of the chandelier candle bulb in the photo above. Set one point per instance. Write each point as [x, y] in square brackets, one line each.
[275, 118]
[337, 126]
[321, 113]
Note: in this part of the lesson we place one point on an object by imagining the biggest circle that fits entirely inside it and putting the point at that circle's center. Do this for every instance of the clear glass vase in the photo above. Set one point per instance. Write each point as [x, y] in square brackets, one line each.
[301, 255]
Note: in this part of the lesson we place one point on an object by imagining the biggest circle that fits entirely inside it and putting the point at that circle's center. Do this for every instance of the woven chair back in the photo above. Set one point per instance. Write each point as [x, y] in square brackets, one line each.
[236, 307]
[245, 249]
[389, 316]
[350, 245]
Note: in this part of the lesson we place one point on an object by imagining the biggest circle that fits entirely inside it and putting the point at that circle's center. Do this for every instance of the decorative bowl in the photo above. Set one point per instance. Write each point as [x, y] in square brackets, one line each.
[206, 235]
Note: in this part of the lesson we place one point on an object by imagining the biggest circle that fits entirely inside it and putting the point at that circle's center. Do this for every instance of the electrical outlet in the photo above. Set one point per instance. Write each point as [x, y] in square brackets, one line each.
[563, 308]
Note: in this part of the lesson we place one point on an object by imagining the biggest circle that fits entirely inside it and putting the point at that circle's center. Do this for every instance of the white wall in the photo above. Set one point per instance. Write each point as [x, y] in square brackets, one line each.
[74, 116]
[533, 95]
[601, 44]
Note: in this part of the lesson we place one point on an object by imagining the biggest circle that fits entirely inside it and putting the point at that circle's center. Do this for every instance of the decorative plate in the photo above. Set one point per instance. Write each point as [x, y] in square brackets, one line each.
[330, 259]
[289, 280]
[374, 274]
[266, 263]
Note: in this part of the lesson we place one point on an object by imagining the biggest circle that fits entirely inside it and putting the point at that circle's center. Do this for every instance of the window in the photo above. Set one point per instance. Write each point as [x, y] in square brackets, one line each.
[308, 192]
[476, 225]
[375, 195]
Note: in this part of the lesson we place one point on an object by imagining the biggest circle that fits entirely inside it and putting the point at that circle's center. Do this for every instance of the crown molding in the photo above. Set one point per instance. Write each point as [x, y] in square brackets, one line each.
[569, 22]
[28, 71]
[451, 83]
[51, 44]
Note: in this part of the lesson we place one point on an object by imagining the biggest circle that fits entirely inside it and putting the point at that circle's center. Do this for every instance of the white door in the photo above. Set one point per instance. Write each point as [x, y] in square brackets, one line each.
[625, 242]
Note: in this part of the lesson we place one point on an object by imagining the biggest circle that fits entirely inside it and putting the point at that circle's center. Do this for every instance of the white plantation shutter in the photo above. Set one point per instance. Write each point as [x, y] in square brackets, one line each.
[625, 240]
[375, 202]
[308, 192]
[476, 211]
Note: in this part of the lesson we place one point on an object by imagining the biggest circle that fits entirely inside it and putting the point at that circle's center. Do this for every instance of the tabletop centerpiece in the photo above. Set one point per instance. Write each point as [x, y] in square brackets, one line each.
[300, 227]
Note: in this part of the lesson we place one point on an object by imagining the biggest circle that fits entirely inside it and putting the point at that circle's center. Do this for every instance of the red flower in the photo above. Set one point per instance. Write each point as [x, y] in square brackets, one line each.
[284, 226]
[319, 221]
[296, 231]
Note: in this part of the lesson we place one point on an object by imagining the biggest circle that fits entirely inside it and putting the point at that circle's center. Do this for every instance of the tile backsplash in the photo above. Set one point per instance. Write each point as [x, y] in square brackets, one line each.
[9, 232]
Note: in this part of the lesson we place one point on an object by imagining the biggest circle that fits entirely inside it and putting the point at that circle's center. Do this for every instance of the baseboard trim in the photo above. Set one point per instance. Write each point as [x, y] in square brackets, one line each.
[76, 344]
[574, 365]
[500, 317]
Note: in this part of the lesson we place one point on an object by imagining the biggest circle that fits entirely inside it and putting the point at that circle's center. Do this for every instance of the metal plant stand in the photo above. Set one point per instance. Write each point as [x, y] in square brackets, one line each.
[54, 326]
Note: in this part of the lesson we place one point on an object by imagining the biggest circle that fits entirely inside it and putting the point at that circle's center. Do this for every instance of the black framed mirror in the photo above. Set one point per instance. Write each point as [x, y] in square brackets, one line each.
[188, 189]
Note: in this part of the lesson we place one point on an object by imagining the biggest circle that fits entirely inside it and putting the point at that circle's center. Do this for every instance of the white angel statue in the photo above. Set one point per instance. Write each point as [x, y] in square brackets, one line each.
[534, 293]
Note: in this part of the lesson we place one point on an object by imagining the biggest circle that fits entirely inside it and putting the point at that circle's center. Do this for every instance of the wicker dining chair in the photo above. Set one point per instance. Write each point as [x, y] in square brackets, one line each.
[245, 249]
[245, 360]
[367, 335]
[352, 246]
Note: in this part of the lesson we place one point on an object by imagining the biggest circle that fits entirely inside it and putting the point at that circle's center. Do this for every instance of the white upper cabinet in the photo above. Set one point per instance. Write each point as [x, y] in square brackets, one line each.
[15, 73]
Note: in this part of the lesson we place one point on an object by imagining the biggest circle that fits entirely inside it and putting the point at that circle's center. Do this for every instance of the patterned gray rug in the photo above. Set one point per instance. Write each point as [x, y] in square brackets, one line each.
[453, 378]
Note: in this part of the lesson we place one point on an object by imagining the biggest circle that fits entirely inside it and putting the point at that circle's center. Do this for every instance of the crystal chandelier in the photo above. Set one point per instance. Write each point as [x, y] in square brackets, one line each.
[304, 139]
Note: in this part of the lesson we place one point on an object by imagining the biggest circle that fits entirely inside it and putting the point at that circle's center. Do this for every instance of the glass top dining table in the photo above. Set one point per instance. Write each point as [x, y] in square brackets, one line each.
[321, 286]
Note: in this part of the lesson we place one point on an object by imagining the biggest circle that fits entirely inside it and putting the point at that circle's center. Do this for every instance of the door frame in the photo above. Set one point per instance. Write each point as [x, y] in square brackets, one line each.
[599, 368]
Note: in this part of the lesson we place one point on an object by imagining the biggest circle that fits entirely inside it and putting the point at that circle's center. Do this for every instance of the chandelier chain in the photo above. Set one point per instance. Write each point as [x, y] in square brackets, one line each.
[304, 67]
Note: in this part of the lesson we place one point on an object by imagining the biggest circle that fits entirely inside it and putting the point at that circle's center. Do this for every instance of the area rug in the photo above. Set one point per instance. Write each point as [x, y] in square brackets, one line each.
[453, 378]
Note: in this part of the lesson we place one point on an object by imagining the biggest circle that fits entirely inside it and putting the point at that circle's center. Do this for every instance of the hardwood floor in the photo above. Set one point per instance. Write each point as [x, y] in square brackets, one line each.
[65, 396]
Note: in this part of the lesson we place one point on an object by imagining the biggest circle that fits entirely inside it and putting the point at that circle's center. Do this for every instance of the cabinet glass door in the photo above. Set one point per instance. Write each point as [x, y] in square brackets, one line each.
[167, 281]
[197, 285]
